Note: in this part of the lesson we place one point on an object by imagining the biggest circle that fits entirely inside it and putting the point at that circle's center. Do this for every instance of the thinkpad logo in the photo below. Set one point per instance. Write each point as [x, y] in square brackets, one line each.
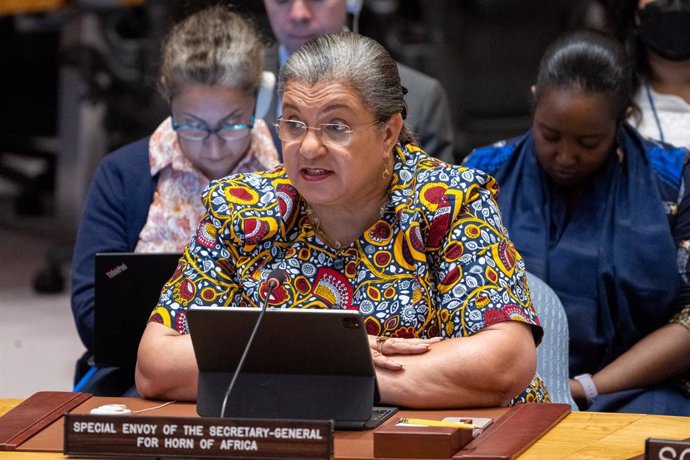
[113, 272]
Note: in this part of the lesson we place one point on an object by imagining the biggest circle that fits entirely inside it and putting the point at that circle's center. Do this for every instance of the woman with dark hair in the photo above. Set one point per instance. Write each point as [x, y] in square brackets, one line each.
[603, 217]
[360, 218]
[656, 33]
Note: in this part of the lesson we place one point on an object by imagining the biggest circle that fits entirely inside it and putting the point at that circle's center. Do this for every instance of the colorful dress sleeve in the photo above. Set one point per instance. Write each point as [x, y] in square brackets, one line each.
[480, 275]
[241, 212]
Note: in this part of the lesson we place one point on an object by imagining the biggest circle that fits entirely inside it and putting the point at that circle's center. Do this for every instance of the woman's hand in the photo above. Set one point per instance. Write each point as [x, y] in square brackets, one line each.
[382, 348]
[485, 369]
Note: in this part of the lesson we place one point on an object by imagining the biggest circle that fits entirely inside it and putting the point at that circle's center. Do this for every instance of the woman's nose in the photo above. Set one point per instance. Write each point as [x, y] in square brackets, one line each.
[566, 155]
[311, 146]
[214, 146]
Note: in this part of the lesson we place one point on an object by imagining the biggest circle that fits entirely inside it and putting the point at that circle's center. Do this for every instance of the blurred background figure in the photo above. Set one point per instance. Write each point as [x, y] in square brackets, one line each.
[657, 35]
[295, 22]
[145, 197]
[603, 217]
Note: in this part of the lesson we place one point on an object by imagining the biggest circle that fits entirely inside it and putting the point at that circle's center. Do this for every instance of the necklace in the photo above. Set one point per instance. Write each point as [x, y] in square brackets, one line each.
[336, 245]
[316, 225]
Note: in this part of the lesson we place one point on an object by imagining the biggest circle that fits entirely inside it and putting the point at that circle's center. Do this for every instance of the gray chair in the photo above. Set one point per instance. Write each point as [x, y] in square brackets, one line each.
[552, 353]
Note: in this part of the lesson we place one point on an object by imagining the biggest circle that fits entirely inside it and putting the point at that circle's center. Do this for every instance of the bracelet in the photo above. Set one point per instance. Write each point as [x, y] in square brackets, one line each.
[588, 385]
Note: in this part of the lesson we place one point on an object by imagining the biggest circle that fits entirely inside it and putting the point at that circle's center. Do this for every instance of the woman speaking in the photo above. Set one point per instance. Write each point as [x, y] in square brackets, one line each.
[361, 218]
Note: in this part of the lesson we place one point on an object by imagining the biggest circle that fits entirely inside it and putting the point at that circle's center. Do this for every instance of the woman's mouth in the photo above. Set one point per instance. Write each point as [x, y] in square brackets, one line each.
[315, 174]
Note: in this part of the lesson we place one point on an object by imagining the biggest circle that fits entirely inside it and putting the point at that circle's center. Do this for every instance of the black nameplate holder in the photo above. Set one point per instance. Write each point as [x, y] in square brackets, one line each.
[659, 449]
[130, 436]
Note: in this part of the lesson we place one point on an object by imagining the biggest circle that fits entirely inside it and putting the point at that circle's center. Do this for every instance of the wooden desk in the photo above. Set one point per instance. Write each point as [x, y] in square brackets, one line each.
[605, 435]
[579, 435]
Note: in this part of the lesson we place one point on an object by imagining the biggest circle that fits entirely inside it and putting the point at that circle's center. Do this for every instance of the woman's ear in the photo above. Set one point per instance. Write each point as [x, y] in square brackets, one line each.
[392, 130]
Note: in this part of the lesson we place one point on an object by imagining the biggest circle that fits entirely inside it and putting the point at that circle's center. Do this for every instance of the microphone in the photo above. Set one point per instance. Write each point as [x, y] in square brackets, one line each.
[275, 279]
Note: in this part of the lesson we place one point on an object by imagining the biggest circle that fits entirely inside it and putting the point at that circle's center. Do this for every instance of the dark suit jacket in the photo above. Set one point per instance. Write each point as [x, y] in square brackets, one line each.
[428, 114]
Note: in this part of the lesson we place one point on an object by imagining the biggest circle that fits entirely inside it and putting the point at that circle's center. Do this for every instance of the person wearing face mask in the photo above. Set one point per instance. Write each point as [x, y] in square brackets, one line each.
[603, 217]
[294, 22]
[145, 197]
[657, 35]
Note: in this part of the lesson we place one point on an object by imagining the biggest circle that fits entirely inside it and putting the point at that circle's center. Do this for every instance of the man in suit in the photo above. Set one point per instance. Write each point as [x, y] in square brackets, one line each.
[295, 22]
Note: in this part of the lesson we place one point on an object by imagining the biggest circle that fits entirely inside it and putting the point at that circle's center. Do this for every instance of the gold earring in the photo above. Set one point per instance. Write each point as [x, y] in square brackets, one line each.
[386, 173]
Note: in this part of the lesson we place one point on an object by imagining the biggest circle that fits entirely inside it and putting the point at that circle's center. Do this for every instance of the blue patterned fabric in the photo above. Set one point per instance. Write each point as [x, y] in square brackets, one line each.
[668, 162]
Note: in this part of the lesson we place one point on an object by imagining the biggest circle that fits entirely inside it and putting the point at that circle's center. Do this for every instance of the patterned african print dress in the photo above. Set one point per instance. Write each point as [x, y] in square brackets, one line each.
[437, 262]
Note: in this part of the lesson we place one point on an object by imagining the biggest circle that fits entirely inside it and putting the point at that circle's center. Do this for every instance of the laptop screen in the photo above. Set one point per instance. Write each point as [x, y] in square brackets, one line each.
[127, 288]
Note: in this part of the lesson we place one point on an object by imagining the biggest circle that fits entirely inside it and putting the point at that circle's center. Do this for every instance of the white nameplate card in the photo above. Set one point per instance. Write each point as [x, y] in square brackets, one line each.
[185, 437]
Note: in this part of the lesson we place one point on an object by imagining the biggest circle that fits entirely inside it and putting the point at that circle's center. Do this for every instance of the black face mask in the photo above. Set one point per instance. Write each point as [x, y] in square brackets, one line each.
[665, 28]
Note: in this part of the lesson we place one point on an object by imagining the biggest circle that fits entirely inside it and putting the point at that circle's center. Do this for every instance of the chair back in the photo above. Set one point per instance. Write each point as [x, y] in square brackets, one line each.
[552, 353]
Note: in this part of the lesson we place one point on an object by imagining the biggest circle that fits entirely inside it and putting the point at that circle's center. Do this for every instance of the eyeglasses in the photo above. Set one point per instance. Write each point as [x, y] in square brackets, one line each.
[227, 132]
[338, 134]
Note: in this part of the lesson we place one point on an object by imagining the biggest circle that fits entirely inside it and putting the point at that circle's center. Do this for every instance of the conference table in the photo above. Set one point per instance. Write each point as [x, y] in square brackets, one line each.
[580, 435]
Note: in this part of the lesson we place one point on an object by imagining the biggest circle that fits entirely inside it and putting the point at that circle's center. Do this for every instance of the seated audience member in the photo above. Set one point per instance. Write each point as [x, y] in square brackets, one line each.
[361, 218]
[145, 197]
[295, 22]
[602, 216]
[656, 34]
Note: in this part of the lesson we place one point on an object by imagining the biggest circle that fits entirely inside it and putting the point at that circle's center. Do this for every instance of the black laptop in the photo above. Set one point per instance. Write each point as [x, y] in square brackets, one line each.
[303, 364]
[127, 288]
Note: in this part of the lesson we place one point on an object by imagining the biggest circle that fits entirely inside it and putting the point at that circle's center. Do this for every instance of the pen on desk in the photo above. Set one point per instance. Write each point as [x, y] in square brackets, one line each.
[421, 421]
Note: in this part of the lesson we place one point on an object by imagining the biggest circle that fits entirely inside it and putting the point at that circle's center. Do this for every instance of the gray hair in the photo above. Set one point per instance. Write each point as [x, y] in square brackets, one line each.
[214, 46]
[357, 62]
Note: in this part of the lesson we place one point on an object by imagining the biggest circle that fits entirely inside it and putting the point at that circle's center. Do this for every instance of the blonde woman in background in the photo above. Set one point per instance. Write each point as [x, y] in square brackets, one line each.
[145, 197]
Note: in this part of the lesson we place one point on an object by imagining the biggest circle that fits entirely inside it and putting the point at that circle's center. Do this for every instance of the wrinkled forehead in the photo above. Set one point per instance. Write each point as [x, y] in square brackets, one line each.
[320, 93]
[318, 85]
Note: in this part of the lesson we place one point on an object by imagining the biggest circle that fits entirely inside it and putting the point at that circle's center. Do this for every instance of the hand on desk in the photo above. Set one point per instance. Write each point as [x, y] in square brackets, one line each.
[382, 348]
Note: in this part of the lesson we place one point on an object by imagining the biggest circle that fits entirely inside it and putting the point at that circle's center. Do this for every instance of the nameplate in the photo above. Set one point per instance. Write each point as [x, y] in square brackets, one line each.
[185, 437]
[666, 449]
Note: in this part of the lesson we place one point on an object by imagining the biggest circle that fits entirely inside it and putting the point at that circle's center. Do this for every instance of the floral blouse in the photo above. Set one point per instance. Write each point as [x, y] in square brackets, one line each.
[176, 208]
[437, 262]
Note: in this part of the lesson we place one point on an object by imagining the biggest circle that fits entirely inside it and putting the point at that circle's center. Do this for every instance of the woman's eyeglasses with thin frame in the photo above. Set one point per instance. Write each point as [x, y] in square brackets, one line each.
[338, 134]
[227, 131]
